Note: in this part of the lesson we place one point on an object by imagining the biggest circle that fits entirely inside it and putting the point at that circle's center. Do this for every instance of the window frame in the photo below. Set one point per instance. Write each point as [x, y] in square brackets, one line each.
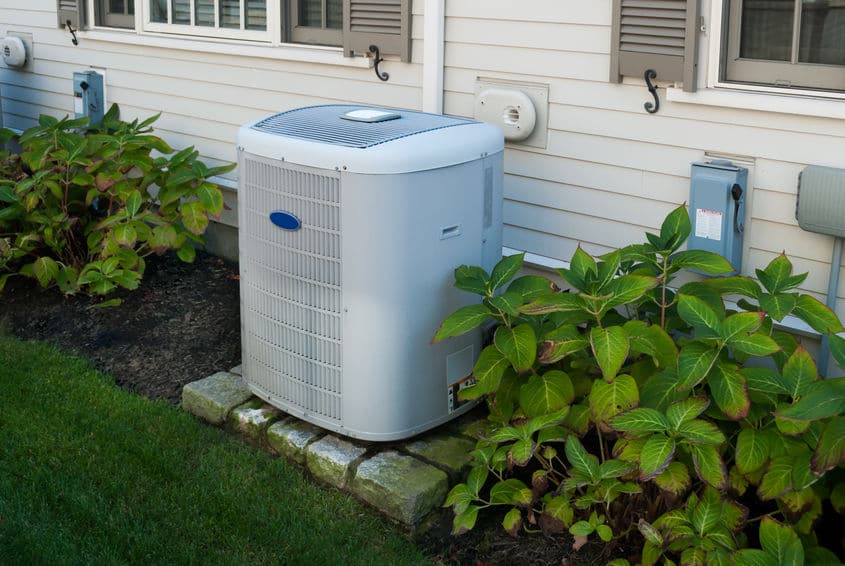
[789, 76]
[278, 31]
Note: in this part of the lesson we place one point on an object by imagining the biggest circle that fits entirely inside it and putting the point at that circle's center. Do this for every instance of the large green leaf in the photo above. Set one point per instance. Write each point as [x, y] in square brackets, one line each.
[125, 235]
[518, 344]
[737, 285]
[817, 315]
[471, 278]
[459, 498]
[707, 262]
[627, 289]
[764, 380]
[465, 521]
[489, 368]
[640, 420]
[701, 431]
[609, 399]
[752, 450]
[837, 349]
[727, 385]
[822, 399]
[510, 492]
[45, 270]
[686, 410]
[546, 393]
[830, 451]
[462, 321]
[778, 305]
[582, 267]
[505, 270]
[581, 460]
[133, 205]
[754, 345]
[799, 372]
[194, 217]
[675, 478]
[506, 303]
[697, 313]
[777, 480]
[656, 455]
[660, 390]
[557, 302]
[211, 198]
[707, 513]
[522, 451]
[610, 347]
[781, 542]
[753, 557]
[532, 286]
[741, 324]
[694, 363]
[651, 340]
[675, 229]
[709, 465]
[561, 342]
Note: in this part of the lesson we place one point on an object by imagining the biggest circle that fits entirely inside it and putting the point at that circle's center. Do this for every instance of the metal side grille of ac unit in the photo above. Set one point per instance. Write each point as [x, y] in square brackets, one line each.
[291, 285]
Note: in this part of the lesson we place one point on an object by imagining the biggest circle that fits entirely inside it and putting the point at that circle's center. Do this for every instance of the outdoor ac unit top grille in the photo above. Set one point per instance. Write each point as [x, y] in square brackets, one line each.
[323, 124]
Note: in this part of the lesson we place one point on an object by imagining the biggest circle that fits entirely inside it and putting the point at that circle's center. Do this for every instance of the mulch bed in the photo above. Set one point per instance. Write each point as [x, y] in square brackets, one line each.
[182, 325]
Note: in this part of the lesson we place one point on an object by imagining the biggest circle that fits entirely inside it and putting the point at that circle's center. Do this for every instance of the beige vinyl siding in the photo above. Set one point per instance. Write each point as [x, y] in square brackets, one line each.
[610, 170]
[203, 97]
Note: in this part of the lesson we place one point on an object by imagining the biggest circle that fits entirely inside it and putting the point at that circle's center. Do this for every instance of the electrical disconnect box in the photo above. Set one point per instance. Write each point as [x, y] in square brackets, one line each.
[717, 209]
[88, 97]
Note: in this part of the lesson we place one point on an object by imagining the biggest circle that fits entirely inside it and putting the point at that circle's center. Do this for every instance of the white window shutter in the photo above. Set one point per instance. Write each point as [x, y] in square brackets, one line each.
[72, 11]
[383, 23]
[654, 34]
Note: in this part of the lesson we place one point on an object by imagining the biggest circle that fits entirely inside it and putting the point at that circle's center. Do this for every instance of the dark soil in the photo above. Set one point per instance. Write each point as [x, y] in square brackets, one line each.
[183, 324]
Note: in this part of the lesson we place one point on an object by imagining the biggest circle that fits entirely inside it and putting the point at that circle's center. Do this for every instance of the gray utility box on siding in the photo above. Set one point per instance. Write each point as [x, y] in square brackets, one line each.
[351, 223]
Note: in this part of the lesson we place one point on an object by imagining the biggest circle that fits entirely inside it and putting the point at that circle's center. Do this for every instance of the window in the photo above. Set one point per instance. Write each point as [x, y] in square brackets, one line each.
[317, 21]
[785, 43]
[227, 19]
[353, 24]
[116, 13]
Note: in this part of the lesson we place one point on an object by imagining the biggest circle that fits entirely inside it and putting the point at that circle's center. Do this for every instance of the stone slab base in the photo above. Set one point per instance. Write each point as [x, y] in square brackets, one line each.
[406, 481]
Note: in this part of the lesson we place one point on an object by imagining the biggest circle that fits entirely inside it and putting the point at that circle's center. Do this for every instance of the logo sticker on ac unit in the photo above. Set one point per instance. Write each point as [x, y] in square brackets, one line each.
[285, 220]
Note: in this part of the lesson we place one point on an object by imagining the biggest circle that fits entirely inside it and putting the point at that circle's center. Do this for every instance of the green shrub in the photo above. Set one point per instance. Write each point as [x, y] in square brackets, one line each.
[80, 208]
[622, 408]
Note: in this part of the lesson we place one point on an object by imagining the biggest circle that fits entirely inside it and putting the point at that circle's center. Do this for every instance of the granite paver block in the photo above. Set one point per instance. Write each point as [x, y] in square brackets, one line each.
[290, 438]
[213, 397]
[400, 486]
[237, 370]
[252, 417]
[330, 459]
[449, 452]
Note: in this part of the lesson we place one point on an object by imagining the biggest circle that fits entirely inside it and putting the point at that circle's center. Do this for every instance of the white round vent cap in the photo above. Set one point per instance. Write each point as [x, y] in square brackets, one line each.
[14, 51]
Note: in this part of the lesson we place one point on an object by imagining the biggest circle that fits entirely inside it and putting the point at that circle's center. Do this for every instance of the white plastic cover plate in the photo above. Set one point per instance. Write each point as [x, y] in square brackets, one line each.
[370, 116]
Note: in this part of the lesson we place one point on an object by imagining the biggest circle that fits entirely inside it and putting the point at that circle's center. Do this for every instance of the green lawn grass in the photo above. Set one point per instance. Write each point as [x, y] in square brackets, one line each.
[91, 474]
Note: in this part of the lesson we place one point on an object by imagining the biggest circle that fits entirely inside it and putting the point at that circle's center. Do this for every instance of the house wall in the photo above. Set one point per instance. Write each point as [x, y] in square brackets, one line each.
[203, 97]
[611, 171]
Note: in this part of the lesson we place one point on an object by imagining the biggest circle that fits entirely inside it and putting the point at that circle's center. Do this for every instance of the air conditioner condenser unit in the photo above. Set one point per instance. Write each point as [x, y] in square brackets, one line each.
[351, 222]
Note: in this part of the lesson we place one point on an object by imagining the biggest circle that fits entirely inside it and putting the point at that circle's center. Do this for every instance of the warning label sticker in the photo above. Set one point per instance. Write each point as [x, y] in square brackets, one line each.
[708, 224]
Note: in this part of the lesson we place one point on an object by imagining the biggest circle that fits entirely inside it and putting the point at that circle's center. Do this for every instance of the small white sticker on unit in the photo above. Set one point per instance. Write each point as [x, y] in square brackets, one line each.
[708, 224]
[78, 108]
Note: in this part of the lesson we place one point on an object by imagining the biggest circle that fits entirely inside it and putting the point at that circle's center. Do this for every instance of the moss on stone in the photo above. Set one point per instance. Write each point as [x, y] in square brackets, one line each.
[400, 486]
